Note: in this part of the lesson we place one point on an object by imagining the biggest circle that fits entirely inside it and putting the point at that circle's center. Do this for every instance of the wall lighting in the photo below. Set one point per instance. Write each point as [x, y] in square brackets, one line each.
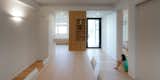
[17, 19]
[17, 12]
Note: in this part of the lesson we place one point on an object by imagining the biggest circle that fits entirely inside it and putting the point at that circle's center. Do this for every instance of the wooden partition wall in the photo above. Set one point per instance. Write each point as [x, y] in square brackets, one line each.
[77, 30]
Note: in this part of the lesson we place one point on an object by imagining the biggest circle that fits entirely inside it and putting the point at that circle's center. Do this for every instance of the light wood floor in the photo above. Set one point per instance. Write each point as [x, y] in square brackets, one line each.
[105, 65]
[66, 65]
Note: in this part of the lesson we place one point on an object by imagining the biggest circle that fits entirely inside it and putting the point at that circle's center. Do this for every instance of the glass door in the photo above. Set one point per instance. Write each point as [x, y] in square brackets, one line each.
[94, 33]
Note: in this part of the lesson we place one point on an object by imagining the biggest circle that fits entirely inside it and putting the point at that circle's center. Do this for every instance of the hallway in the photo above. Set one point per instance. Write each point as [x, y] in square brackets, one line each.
[28, 29]
[65, 65]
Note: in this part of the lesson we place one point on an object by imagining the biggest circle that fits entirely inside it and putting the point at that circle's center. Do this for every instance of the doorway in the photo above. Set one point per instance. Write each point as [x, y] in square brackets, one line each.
[93, 33]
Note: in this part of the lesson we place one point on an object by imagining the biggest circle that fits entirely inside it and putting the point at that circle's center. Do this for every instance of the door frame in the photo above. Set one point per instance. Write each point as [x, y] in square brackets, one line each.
[100, 34]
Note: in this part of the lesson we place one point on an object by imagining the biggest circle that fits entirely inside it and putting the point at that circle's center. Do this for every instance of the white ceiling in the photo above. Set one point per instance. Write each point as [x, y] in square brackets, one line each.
[29, 3]
[77, 2]
[97, 14]
[74, 2]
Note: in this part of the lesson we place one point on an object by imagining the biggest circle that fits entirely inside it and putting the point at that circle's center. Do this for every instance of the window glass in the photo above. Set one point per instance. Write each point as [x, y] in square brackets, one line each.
[61, 22]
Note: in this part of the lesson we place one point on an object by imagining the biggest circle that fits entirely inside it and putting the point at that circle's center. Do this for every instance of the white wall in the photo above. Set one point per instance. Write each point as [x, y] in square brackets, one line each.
[44, 33]
[147, 41]
[119, 33]
[47, 32]
[49, 8]
[109, 34]
[104, 33]
[18, 40]
[131, 39]
[130, 5]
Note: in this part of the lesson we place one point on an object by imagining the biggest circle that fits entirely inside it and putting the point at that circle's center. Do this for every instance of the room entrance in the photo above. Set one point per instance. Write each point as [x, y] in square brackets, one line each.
[93, 33]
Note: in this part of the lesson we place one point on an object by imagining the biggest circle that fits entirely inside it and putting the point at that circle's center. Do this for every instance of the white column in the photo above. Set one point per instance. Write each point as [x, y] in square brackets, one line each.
[131, 38]
[119, 33]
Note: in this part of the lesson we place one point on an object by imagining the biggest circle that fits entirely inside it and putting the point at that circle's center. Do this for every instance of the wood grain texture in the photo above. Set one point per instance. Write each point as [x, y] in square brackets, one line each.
[37, 64]
[77, 37]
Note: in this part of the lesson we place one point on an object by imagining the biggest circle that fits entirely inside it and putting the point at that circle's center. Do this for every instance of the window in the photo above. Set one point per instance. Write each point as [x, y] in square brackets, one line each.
[61, 28]
[61, 22]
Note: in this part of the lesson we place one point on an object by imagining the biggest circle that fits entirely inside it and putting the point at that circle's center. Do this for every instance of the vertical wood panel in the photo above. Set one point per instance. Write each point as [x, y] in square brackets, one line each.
[77, 30]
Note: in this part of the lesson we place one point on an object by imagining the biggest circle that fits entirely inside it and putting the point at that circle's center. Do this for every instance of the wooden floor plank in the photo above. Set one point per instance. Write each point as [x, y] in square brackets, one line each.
[65, 65]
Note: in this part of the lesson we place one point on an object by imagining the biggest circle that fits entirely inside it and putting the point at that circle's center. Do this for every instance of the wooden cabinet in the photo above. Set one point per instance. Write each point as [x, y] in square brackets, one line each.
[77, 30]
